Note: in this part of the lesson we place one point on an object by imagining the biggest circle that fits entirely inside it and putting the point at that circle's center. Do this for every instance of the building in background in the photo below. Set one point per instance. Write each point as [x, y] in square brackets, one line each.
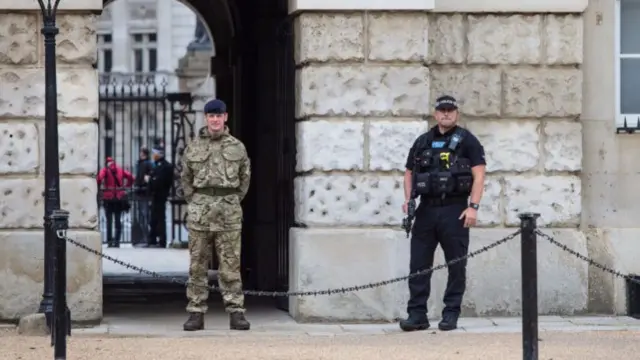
[537, 80]
[146, 50]
[144, 46]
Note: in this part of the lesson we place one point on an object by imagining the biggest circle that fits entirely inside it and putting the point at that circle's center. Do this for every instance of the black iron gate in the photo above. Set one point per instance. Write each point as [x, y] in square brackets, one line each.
[285, 148]
[136, 112]
[183, 123]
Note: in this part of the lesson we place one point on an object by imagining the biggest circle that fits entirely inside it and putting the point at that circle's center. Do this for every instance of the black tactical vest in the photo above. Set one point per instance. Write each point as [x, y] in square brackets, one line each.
[438, 172]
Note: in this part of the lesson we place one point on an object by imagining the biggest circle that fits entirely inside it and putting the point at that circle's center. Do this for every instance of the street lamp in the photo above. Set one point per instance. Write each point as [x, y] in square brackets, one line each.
[55, 220]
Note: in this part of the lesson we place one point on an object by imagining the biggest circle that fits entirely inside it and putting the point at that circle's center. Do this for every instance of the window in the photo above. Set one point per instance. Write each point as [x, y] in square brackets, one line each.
[145, 53]
[105, 53]
[628, 64]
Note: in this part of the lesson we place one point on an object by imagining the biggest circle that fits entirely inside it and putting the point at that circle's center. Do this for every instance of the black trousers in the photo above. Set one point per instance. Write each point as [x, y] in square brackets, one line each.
[113, 212]
[435, 225]
[158, 223]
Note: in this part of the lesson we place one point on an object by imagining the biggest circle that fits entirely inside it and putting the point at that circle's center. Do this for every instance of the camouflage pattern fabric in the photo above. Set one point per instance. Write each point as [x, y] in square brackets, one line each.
[215, 162]
[216, 172]
[227, 245]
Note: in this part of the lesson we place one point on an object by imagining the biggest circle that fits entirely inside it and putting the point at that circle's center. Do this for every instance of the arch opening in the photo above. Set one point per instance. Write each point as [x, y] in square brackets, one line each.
[231, 47]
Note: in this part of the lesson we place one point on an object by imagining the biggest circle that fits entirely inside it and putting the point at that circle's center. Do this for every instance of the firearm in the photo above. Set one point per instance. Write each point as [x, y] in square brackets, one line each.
[411, 213]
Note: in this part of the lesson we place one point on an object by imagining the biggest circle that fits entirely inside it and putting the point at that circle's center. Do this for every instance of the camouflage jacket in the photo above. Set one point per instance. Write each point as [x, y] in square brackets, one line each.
[215, 162]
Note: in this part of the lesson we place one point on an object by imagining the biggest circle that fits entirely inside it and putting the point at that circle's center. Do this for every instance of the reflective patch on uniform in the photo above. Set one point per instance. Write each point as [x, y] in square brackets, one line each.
[438, 144]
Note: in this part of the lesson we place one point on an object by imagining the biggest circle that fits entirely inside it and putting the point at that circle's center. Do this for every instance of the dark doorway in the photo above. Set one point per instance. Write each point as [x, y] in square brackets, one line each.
[257, 80]
[254, 71]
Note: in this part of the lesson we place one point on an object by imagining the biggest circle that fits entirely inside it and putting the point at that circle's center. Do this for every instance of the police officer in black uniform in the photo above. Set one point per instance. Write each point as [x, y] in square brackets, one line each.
[446, 169]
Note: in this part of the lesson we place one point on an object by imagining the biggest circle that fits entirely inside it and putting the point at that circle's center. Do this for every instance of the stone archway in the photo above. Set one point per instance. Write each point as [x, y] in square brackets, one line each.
[235, 68]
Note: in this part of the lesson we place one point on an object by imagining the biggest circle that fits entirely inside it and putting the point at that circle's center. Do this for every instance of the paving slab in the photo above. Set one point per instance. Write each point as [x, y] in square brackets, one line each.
[595, 320]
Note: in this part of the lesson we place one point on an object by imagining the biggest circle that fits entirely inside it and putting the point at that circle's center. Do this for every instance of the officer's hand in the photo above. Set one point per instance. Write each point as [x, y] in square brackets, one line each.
[405, 207]
[470, 216]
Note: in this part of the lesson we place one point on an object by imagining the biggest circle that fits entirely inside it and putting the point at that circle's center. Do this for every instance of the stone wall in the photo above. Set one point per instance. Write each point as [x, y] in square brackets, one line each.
[22, 100]
[365, 90]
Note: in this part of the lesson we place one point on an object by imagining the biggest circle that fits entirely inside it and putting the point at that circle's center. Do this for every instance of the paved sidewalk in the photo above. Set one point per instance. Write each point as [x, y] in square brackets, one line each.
[217, 325]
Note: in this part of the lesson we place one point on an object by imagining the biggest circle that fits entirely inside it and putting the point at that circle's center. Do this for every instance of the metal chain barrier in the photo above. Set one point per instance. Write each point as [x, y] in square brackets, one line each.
[586, 258]
[62, 235]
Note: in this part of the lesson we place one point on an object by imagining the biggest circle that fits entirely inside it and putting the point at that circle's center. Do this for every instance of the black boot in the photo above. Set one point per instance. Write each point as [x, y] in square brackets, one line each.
[449, 321]
[237, 321]
[414, 323]
[195, 322]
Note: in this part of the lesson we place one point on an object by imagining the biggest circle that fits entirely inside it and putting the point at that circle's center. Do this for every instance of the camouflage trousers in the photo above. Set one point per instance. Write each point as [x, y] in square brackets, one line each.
[228, 248]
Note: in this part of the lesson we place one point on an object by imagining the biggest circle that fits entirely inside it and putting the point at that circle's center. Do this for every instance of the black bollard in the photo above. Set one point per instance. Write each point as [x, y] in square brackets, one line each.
[529, 286]
[61, 315]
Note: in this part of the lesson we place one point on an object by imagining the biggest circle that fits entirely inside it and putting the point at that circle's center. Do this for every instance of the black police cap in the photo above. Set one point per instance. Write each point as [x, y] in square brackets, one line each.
[446, 102]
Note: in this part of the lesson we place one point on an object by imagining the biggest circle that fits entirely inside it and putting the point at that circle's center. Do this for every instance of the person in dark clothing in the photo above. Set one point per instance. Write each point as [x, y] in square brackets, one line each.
[142, 196]
[446, 169]
[160, 182]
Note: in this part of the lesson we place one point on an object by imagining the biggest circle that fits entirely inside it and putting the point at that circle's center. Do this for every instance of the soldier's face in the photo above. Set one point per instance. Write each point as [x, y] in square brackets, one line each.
[215, 122]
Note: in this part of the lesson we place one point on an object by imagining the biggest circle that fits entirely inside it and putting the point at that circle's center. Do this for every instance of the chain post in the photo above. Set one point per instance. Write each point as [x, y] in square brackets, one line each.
[529, 264]
[62, 316]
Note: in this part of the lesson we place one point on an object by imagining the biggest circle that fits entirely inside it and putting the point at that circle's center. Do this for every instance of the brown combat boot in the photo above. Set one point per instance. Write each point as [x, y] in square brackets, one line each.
[195, 322]
[237, 321]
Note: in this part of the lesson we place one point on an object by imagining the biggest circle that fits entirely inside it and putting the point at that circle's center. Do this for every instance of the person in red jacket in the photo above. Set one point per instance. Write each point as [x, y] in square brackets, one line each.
[114, 181]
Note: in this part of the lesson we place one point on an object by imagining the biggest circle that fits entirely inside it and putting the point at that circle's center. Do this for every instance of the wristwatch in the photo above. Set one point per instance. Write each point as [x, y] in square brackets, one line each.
[474, 206]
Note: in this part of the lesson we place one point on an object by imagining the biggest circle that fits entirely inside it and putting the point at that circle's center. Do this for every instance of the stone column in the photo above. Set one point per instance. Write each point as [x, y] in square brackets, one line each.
[165, 38]
[22, 158]
[121, 37]
[368, 80]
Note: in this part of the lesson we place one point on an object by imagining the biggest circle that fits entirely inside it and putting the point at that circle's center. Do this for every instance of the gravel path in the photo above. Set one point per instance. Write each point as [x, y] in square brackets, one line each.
[255, 346]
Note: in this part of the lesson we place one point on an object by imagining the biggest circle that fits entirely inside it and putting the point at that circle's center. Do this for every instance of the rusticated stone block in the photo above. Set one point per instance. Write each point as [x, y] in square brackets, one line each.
[323, 258]
[33, 325]
[363, 91]
[390, 141]
[543, 92]
[18, 148]
[78, 146]
[78, 196]
[446, 39]
[330, 145]
[344, 200]
[511, 39]
[18, 39]
[564, 39]
[329, 37]
[76, 43]
[21, 203]
[563, 146]
[478, 90]
[558, 199]
[509, 145]
[490, 213]
[398, 36]
[77, 93]
[22, 266]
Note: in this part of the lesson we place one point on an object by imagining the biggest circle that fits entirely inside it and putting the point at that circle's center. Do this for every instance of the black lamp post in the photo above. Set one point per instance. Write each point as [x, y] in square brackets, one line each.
[55, 310]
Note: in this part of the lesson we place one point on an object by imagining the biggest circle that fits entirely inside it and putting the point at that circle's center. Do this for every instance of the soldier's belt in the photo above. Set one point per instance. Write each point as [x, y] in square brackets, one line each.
[217, 191]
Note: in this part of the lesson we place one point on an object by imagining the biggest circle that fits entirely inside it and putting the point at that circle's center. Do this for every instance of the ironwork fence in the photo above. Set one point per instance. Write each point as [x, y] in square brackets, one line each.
[137, 112]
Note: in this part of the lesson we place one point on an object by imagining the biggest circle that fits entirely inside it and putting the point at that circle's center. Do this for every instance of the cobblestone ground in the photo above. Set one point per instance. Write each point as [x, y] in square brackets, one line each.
[592, 345]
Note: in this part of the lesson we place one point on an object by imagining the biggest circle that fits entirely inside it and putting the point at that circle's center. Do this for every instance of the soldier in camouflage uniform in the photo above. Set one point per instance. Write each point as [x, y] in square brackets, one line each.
[215, 177]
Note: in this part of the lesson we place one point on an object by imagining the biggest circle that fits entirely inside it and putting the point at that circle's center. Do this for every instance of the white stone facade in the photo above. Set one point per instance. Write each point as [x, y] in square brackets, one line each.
[22, 97]
[535, 79]
[366, 88]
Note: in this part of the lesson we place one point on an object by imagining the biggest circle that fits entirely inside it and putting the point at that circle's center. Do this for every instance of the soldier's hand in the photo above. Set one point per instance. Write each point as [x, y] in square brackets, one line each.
[405, 207]
[470, 216]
